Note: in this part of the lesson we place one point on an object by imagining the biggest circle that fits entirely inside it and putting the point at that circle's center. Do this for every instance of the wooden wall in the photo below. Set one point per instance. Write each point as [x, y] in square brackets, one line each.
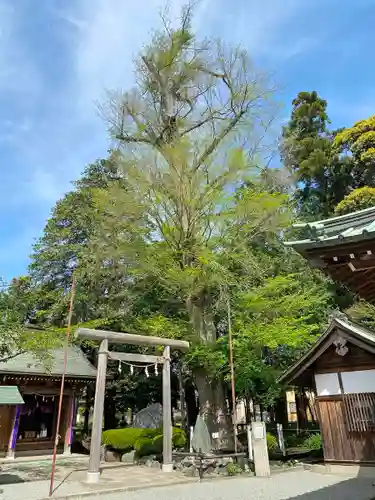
[355, 359]
[339, 444]
[6, 419]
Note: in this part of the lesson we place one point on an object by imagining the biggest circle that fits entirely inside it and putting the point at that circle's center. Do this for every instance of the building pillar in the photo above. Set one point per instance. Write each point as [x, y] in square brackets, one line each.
[93, 474]
[14, 434]
[69, 426]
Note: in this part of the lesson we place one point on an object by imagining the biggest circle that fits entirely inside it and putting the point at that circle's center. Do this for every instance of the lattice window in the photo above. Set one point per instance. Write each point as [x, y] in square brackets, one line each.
[359, 411]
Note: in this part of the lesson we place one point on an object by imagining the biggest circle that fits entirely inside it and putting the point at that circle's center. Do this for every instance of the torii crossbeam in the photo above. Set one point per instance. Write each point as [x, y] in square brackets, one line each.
[105, 338]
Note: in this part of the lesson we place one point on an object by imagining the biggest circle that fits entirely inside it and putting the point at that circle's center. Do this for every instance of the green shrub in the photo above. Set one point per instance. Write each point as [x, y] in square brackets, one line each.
[233, 469]
[313, 442]
[145, 446]
[144, 441]
[295, 440]
[157, 444]
[125, 439]
[272, 444]
[179, 439]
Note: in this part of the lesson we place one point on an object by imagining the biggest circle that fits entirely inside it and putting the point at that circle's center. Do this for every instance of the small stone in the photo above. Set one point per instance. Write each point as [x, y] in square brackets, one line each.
[112, 456]
[191, 471]
[188, 461]
[152, 463]
[128, 458]
[210, 470]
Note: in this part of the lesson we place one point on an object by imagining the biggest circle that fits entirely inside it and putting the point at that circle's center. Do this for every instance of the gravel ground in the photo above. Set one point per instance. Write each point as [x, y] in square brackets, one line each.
[301, 485]
[292, 485]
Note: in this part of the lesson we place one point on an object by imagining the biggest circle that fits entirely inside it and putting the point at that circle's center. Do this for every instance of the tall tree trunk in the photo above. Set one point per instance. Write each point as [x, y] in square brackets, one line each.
[110, 418]
[248, 410]
[192, 408]
[309, 406]
[212, 401]
[281, 412]
[88, 401]
[301, 410]
[214, 410]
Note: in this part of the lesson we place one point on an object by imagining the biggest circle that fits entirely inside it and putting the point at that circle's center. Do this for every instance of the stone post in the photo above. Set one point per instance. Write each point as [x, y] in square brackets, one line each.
[260, 451]
[69, 426]
[93, 474]
[167, 413]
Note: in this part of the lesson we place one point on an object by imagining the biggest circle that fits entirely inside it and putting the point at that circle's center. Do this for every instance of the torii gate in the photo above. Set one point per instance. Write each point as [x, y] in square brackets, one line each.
[105, 338]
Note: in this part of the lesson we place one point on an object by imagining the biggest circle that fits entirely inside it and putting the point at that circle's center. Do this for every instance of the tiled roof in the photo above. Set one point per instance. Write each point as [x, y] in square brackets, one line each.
[78, 365]
[353, 227]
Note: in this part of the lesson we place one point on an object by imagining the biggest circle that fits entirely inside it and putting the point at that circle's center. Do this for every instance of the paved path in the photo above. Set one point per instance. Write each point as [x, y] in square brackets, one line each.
[291, 485]
[296, 485]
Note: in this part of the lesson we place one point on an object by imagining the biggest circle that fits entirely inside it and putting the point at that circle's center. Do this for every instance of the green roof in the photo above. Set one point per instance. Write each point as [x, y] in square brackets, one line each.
[10, 395]
[352, 228]
[78, 365]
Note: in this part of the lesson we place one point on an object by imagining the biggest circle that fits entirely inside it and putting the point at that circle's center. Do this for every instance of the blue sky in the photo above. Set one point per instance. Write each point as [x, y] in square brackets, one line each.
[57, 57]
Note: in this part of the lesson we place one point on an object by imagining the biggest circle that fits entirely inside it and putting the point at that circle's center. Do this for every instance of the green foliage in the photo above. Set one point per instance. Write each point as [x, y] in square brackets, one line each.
[233, 469]
[144, 441]
[313, 442]
[17, 302]
[323, 176]
[362, 312]
[149, 446]
[357, 200]
[164, 234]
[179, 439]
[272, 444]
[125, 439]
[359, 141]
[273, 323]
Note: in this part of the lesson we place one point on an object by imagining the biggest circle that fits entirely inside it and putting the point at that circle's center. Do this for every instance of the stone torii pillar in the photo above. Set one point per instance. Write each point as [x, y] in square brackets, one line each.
[105, 338]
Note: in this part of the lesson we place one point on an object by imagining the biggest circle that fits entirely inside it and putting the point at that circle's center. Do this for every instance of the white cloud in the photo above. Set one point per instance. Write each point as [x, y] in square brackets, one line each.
[101, 39]
[54, 130]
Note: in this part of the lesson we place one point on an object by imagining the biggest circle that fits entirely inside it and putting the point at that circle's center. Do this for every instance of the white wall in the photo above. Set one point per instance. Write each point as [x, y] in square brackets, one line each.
[327, 384]
[358, 381]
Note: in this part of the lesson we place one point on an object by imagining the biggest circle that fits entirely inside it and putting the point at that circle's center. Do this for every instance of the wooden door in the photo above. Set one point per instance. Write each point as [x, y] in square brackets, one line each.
[6, 416]
[339, 444]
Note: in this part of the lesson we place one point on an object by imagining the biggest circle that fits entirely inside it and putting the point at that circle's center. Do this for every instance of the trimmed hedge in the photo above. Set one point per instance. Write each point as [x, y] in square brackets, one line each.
[125, 439]
[143, 441]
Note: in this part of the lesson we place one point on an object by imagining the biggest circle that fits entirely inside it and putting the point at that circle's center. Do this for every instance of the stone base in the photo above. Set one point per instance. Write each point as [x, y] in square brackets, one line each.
[92, 477]
[167, 468]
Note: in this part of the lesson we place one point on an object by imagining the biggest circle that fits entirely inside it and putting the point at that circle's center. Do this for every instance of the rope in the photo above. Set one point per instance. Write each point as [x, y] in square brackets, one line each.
[132, 366]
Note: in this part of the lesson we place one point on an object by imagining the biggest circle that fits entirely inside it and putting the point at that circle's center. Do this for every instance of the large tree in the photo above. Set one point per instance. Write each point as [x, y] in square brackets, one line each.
[188, 133]
[322, 176]
[19, 332]
[358, 142]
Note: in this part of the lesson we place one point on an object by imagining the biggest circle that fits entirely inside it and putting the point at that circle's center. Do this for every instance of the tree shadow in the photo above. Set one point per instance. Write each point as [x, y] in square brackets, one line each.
[358, 488]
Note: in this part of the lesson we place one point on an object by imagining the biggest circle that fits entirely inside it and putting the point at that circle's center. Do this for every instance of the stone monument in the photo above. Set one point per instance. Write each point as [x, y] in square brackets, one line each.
[201, 441]
[150, 417]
